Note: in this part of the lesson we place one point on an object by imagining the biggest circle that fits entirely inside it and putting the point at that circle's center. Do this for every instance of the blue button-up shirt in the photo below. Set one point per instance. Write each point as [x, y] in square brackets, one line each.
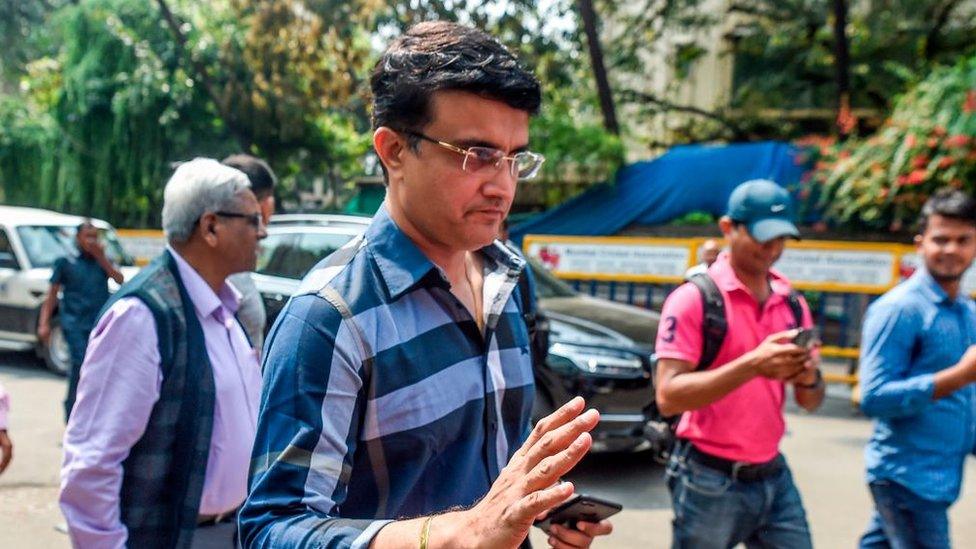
[909, 334]
[382, 400]
[84, 290]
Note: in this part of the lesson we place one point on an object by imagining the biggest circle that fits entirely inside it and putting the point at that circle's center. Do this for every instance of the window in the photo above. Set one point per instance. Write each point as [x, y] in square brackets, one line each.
[44, 244]
[7, 258]
[546, 283]
[292, 255]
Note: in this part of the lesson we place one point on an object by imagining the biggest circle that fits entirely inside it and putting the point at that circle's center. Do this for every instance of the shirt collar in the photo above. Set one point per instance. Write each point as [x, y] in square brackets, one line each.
[724, 276]
[205, 300]
[924, 281]
[403, 266]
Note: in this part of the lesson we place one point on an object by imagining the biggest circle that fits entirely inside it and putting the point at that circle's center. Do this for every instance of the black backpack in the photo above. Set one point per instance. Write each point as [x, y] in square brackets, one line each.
[715, 326]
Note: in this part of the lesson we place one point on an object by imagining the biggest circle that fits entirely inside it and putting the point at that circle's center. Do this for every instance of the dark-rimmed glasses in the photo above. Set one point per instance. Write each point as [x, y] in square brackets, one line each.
[522, 165]
[255, 219]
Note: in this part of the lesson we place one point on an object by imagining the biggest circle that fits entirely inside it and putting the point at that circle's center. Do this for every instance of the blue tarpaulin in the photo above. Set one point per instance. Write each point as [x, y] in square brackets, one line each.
[685, 179]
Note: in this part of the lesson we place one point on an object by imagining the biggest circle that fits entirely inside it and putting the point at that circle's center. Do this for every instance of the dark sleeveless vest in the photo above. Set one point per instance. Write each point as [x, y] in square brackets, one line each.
[164, 473]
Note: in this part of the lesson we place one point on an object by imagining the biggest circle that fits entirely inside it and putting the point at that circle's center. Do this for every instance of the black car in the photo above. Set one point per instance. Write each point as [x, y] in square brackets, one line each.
[589, 353]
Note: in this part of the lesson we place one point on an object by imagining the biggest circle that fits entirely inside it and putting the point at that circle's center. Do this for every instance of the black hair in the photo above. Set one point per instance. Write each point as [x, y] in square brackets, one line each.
[440, 55]
[948, 202]
[84, 225]
[258, 172]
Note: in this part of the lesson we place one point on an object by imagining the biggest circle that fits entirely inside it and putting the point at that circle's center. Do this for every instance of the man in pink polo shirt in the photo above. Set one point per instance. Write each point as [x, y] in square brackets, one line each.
[729, 483]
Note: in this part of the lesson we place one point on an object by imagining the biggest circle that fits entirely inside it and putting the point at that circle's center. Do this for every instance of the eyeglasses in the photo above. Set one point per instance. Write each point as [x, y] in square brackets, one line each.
[522, 165]
[255, 220]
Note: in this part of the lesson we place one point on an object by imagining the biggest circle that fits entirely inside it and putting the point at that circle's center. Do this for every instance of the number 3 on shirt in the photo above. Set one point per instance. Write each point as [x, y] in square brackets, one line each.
[670, 324]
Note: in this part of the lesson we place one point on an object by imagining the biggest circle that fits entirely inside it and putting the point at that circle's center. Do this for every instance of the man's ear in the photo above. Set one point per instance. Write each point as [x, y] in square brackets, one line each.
[267, 206]
[207, 228]
[918, 241]
[390, 147]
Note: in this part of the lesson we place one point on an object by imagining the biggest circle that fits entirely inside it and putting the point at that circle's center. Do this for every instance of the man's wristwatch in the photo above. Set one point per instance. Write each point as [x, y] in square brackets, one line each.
[816, 383]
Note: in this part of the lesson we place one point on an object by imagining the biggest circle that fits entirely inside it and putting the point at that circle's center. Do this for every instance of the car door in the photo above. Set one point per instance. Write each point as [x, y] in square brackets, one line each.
[17, 311]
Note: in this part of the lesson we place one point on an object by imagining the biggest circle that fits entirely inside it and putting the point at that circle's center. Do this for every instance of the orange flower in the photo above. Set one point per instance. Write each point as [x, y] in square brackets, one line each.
[945, 162]
[956, 183]
[910, 140]
[917, 177]
[920, 161]
[932, 142]
[938, 131]
[969, 104]
[957, 141]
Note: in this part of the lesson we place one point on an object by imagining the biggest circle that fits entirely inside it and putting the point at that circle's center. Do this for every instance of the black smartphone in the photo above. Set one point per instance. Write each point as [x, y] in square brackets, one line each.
[580, 507]
[806, 338]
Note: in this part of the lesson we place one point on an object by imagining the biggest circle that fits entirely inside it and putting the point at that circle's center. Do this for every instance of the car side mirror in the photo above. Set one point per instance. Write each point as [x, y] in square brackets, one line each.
[8, 261]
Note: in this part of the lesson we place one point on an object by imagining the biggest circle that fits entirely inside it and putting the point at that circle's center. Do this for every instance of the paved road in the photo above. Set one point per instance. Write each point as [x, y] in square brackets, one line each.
[824, 450]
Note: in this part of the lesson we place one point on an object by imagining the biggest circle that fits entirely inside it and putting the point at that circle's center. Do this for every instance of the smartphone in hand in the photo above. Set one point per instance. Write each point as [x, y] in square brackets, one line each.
[580, 507]
[807, 338]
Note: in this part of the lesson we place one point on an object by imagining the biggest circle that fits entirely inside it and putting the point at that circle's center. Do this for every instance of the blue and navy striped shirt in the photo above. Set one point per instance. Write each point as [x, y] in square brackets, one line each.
[909, 334]
[382, 400]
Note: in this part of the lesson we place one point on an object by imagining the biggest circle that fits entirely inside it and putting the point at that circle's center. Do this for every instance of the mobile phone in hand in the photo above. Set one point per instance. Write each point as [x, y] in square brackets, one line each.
[806, 338]
[580, 507]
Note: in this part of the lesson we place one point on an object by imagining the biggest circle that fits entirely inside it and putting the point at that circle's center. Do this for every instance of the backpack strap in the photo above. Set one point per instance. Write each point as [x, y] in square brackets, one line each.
[794, 300]
[714, 323]
[535, 320]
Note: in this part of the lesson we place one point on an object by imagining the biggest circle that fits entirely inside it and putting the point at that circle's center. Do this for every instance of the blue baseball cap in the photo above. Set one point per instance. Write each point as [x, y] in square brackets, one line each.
[765, 208]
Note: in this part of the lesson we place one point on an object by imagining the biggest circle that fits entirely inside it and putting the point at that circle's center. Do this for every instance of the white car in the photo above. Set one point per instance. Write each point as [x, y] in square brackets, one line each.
[31, 240]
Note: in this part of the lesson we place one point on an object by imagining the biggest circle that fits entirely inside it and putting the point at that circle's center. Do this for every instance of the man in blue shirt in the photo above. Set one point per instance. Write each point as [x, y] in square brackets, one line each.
[398, 384]
[918, 366]
[82, 280]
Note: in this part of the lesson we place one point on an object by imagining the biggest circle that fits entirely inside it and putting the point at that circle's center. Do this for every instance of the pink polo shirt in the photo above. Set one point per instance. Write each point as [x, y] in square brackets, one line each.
[747, 424]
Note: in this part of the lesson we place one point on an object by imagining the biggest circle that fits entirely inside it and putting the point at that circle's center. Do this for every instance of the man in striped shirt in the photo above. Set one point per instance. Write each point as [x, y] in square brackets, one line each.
[398, 381]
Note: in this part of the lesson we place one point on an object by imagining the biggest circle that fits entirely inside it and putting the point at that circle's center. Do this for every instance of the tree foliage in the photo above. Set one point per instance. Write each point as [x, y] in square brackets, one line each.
[105, 95]
[784, 50]
[102, 120]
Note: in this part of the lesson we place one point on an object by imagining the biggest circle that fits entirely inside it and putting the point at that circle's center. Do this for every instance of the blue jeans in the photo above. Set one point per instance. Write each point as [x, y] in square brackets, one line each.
[902, 520]
[712, 510]
[77, 341]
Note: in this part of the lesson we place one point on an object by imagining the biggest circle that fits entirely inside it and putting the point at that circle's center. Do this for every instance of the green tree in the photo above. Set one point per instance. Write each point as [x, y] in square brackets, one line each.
[785, 50]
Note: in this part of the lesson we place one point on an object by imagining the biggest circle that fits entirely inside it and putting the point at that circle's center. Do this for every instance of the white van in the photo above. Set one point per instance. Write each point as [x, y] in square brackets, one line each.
[31, 240]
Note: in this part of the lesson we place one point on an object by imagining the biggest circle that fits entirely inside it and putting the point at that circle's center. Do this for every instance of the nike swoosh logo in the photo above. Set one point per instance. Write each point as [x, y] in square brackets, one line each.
[777, 207]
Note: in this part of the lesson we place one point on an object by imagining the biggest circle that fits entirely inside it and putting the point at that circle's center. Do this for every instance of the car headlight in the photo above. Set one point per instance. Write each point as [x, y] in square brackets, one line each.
[598, 360]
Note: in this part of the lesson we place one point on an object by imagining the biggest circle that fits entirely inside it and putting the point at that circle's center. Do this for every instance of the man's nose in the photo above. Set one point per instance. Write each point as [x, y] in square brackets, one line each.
[502, 183]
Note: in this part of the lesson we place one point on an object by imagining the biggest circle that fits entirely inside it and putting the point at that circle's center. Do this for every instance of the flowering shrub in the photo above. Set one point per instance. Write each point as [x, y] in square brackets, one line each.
[929, 142]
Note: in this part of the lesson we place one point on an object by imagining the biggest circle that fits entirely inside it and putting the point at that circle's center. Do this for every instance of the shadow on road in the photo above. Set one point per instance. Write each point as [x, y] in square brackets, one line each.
[24, 365]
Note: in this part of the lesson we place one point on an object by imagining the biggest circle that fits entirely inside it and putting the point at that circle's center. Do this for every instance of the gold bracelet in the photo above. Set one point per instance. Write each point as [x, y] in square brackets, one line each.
[425, 532]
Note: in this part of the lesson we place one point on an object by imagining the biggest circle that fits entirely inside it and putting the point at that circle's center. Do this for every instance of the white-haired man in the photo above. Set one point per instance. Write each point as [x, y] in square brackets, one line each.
[158, 444]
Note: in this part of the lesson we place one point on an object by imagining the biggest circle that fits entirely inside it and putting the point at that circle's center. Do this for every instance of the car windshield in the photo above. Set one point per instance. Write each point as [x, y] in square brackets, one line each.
[291, 255]
[547, 285]
[44, 244]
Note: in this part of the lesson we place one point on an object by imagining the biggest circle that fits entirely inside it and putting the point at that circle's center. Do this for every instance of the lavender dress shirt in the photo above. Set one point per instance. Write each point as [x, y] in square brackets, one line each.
[119, 385]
